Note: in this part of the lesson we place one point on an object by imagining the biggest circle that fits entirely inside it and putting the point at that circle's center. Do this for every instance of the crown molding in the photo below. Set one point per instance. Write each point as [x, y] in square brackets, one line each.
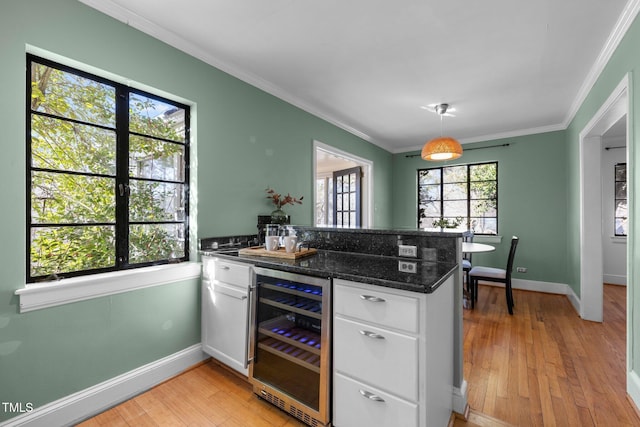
[625, 20]
[138, 22]
[172, 39]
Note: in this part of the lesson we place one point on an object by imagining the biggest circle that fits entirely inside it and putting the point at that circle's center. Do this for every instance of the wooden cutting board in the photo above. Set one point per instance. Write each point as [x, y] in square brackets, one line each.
[280, 253]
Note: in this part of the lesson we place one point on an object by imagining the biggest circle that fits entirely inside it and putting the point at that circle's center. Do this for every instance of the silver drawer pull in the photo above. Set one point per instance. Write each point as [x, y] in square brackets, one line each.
[371, 298]
[372, 335]
[224, 267]
[371, 396]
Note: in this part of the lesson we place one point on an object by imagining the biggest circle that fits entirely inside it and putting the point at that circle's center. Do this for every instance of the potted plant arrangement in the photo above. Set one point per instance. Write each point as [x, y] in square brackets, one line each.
[278, 216]
[443, 223]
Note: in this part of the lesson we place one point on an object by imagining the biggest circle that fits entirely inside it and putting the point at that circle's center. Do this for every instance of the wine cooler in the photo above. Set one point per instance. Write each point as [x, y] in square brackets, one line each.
[290, 344]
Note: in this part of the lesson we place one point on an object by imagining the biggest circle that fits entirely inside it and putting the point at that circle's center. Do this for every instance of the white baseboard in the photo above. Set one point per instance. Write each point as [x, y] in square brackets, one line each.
[536, 286]
[575, 301]
[93, 400]
[633, 387]
[547, 287]
[615, 279]
[460, 398]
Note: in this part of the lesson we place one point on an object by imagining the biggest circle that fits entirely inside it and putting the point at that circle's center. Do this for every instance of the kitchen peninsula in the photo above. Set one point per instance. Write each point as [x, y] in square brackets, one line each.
[395, 323]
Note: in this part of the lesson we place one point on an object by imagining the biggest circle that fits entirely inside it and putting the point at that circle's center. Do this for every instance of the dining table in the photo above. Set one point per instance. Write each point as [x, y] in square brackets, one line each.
[473, 248]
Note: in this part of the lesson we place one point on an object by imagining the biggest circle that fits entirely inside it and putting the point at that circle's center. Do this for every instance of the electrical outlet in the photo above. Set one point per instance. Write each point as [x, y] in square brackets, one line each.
[407, 266]
[408, 251]
[521, 269]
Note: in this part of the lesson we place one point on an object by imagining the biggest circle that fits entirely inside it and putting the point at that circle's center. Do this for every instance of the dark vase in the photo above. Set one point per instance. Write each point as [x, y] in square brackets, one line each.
[278, 216]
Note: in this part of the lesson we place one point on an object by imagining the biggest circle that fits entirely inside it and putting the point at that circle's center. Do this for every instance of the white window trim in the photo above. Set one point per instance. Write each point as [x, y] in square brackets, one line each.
[36, 296]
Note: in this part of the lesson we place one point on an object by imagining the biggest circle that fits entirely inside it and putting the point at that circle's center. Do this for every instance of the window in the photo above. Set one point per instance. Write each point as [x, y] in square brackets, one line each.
[620, 199]
[107, 175]
[324, 201]
[462, 197]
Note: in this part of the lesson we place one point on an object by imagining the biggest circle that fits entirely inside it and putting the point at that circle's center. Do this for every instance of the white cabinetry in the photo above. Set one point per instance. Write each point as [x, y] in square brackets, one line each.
[393, 356]
[225, 310]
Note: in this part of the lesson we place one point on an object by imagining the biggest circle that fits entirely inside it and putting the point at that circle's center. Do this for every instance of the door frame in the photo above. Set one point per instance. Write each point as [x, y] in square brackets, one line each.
[591, 257]
[367, 179]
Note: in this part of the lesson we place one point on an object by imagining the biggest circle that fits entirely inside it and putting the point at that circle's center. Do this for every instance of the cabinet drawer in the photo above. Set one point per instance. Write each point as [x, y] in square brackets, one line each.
[374, 305]
[357, 404]
[385, 359]
[231, 272]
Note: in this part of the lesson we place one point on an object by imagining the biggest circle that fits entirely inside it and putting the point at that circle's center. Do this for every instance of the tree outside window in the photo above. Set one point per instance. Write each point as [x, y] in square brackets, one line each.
[463, 197]
[107, 176]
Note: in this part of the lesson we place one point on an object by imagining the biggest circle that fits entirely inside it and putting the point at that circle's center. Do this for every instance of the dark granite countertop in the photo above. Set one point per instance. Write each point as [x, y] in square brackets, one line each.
[363, 268]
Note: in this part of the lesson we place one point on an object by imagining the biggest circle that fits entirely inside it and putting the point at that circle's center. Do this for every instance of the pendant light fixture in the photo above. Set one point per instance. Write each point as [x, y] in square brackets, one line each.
[443, 147]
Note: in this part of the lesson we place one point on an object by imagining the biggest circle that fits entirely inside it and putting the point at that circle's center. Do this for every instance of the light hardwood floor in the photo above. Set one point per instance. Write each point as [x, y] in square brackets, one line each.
[543, 366]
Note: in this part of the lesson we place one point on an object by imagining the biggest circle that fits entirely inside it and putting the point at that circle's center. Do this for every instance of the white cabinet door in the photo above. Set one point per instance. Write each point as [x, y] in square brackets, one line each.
[224, 323]
[362, 405]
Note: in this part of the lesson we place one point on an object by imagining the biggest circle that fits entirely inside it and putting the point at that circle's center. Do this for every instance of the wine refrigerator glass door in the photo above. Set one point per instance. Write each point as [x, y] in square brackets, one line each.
[291, 346]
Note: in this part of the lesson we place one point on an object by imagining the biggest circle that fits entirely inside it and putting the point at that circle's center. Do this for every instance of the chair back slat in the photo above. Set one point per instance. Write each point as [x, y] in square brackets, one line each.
[467, 236]
[512, 255]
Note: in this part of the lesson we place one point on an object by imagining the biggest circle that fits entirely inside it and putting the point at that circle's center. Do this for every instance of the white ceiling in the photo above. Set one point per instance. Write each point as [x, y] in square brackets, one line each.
[508, 67]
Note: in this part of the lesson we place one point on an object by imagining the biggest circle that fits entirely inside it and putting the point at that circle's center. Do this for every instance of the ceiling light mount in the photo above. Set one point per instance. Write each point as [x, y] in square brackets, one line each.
[441, 108]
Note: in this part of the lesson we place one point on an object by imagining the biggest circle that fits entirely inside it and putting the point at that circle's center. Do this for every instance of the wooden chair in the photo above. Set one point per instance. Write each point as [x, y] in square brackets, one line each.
[490, 274]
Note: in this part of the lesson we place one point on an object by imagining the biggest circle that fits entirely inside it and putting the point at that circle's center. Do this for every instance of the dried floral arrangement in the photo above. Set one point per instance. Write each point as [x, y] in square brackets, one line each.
[279, 201]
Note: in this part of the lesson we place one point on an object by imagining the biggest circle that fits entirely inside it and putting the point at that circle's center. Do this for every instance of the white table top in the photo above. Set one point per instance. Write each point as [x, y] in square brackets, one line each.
[469, 247]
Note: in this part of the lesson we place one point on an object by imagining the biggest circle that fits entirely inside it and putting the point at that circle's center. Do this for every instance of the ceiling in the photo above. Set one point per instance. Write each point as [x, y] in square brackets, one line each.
[508, 67]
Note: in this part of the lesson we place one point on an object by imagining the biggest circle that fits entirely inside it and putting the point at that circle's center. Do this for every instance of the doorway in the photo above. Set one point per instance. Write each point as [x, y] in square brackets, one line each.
[327, 162]
[615, 109]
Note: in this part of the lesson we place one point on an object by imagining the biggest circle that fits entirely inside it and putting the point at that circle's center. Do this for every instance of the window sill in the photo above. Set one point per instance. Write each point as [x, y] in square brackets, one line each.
[486, 238]
[618, 239]
[35, 296]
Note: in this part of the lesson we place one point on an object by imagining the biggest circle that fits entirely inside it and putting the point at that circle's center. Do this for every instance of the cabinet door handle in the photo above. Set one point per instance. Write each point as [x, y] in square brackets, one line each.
[371, 396]
[372, 335]
[371, 298]
[224, 267]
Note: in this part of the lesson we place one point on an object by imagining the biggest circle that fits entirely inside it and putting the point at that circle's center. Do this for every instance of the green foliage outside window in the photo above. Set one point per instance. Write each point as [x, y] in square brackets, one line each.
[463, 196]
[81, 206]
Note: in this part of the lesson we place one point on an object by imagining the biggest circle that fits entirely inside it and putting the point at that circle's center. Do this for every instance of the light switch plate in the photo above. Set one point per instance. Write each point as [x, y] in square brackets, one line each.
[408, 251]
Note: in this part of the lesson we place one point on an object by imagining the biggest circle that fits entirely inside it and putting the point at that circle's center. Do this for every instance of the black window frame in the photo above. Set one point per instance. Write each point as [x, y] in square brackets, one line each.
[466, 221]
[121, 180]
[616, 199]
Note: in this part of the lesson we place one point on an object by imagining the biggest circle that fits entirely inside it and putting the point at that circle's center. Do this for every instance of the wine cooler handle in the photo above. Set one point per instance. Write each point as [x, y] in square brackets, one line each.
[251, 329]
[371, 298]
[372, 335]
[371, 396]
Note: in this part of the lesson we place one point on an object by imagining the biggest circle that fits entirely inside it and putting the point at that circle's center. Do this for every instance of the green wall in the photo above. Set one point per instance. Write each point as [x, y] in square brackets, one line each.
[539, 192]
[244, 141]
[624, 61]
[532, 204]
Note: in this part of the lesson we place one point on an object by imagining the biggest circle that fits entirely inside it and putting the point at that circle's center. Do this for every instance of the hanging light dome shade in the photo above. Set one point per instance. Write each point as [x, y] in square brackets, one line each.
[441, 148]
